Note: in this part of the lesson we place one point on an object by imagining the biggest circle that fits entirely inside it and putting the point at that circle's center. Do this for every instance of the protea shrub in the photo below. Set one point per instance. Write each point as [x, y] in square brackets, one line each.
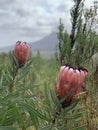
[69, 82]
[21, 51]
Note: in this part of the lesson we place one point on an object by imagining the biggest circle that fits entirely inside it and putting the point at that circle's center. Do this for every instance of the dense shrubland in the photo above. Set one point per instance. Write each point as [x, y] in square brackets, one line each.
[32, 103]
[28, 98]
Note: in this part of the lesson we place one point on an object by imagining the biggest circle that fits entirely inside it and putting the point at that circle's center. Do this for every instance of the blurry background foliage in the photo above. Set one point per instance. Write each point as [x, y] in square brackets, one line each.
[27, 97]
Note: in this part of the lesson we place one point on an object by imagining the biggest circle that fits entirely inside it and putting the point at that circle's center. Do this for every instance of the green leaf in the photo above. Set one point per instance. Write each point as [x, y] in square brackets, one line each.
[72, 105]
[34, 118]
[73, 116]
[47, 95]
[48, 127]
[7, 128]
[80, 128]
[32, 110]
[13, 60]
[55, 99]
[6, 99]
[9, 116]
[19, 116]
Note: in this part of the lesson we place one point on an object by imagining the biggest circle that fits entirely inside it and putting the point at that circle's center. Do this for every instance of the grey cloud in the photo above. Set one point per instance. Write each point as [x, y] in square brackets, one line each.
[21, 12]
[34, 30]
[61, 8]
[43, 22]
[8, 7]
[31, 19]
[3, 14]
[7, 3]
[8, 26]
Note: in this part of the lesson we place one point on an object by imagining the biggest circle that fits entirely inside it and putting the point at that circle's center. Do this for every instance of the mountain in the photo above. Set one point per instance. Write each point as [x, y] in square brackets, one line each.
[47, 43]
[6, 49]
[46, 46]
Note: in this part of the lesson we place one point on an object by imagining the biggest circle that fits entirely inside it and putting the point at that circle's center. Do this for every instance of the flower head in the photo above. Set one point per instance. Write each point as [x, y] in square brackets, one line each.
[21, 51]
[69, 79]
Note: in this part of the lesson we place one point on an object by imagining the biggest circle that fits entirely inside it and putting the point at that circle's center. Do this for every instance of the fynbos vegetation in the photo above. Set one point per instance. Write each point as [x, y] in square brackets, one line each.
[35, 95]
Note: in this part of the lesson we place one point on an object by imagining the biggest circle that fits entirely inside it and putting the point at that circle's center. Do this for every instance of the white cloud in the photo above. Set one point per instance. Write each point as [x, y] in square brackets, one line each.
[30, 20]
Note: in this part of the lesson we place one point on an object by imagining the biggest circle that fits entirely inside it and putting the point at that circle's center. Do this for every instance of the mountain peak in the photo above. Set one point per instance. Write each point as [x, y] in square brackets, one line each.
[47, 43]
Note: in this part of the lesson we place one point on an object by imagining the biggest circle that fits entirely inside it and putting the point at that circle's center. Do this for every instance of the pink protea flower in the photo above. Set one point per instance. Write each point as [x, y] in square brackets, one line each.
[21, 51]
[69, 79]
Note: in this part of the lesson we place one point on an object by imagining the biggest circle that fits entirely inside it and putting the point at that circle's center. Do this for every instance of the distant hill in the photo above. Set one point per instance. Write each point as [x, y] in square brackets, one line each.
[6, 49]
[46, 46]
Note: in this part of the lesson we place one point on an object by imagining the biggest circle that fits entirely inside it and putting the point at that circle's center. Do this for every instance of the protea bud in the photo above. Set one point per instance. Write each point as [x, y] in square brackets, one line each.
[69, 80]
[21, 51]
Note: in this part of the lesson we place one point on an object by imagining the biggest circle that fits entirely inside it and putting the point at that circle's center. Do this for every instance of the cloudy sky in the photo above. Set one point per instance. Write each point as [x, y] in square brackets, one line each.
[31, 20]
